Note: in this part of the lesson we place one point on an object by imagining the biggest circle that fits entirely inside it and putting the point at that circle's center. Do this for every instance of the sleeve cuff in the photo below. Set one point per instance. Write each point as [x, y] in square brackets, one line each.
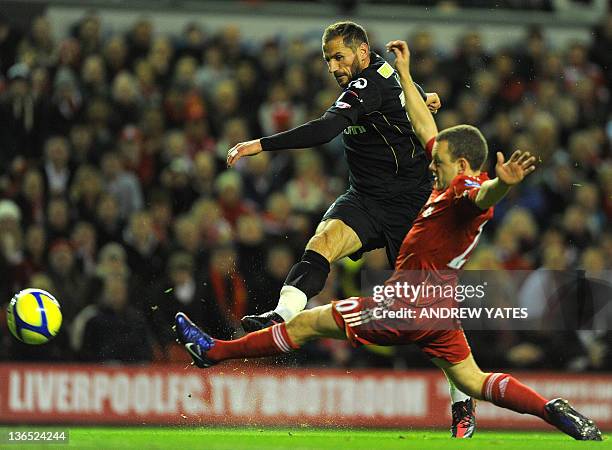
[429, 146]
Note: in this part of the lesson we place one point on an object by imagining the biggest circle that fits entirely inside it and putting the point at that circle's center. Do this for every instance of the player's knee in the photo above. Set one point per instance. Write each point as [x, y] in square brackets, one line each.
[301, 327]
[322, 244]
[334, 239]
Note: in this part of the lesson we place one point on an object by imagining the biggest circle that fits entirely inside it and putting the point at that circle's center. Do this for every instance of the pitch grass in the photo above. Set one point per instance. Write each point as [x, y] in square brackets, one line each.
[212, 438]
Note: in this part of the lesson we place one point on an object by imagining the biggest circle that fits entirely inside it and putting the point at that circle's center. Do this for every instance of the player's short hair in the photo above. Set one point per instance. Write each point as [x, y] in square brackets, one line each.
[352, 34]
[466, 141]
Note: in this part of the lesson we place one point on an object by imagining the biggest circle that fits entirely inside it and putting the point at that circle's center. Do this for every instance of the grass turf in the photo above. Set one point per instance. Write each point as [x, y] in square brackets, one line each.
[211, 438]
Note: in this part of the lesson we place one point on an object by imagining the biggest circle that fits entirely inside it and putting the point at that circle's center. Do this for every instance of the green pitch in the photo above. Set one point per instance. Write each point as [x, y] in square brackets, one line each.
[296, 439]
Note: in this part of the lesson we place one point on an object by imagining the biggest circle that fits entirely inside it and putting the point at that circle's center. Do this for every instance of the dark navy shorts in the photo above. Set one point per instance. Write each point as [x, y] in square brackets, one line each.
[378, 222]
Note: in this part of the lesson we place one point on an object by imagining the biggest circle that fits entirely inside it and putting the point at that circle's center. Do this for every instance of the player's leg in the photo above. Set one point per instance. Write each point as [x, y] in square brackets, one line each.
[398, 221]
[314, 323]
[349, 227]
[506, 391]
[275, 340]
[332, 241]
[463, 412]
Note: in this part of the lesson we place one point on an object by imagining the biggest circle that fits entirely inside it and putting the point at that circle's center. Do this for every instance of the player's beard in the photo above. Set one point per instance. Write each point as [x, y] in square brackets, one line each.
[355, 70]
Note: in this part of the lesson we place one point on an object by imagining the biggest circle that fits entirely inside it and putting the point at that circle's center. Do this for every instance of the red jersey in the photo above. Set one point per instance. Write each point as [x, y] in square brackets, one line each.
[447, 228]
[436, 247]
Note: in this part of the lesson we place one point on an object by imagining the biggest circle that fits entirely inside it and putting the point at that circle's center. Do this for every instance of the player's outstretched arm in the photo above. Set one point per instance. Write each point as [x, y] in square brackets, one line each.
[241, 149]
[422, 121]
[509, 173]
[311, 134]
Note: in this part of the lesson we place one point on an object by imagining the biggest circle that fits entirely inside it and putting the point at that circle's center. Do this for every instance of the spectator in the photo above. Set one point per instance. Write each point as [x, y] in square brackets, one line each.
[112, 330]
[204, 172]
[181, 290]
[307, 192]
[229, 188]
[93, 75]
[122, 184]
[86, 191]
[58, 219]
[208, 216]
[278, 113]
[11, 248]
[259, 180]
[109, 225]
[144, 249]
[57, 172]
[83, 144]
[84, 243]
[228, 290]
[115, 55]
[35, 250]
[9, 39]
[70, 284]
[31, 199]
[188, 239]
[66, 102]
[23, 131]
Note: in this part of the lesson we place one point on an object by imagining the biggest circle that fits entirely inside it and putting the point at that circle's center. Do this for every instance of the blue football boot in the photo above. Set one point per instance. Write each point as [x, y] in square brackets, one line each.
[196, 342]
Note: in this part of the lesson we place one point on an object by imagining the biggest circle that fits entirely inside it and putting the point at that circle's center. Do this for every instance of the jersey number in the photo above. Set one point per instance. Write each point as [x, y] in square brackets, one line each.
[460, 260]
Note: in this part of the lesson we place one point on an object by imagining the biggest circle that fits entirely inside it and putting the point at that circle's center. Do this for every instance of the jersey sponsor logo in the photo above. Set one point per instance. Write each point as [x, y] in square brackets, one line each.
[385, 70]
[459, 261]
[342, 105]
[359, 83]
[472, 183]
[355, 129]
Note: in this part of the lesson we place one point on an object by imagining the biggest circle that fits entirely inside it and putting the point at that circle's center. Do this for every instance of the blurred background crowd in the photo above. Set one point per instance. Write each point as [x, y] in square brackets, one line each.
[115, 196]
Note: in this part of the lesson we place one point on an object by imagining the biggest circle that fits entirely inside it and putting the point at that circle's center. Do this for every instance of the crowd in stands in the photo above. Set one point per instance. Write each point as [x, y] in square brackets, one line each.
[114, 194]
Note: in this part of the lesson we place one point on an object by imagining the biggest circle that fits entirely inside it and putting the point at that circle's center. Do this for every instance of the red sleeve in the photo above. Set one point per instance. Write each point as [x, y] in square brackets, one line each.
[429, 146]
[464, 190]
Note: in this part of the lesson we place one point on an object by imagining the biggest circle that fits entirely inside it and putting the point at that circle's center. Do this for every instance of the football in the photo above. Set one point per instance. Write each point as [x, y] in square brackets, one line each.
[34, 316]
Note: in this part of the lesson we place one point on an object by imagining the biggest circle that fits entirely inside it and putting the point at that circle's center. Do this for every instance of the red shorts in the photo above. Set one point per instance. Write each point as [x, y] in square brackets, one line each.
[364, 327]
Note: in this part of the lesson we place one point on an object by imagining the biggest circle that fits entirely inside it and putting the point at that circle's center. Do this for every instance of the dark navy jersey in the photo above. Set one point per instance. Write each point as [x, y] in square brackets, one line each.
[385, 158]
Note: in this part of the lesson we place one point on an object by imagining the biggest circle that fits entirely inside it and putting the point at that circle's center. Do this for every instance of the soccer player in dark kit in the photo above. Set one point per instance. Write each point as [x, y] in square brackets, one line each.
[441, 240]
[388, 177]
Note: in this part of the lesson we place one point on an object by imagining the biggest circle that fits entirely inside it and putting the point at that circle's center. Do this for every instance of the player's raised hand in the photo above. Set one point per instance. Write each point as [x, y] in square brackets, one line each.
[433, 102]
[241, 149]
[514, 170]
[402, 56]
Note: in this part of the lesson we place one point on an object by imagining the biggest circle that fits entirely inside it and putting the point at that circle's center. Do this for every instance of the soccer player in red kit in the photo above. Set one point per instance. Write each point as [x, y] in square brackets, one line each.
[439, 243]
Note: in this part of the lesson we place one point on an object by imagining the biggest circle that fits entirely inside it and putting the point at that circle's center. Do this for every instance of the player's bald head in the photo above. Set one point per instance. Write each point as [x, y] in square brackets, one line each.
[465, 141]
[352, 34]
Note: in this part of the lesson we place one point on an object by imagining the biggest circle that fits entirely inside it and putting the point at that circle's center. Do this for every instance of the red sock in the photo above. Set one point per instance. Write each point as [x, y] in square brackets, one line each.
[267, 342]
[506, 391]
